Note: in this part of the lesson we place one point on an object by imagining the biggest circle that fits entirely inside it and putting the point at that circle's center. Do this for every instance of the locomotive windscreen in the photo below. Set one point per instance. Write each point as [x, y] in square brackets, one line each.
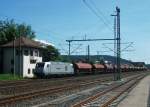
[40, 65]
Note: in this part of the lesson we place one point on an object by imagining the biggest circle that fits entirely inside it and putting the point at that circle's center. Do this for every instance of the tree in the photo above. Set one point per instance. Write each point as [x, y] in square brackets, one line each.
[9, 30]
[102, 61]
[50, 54]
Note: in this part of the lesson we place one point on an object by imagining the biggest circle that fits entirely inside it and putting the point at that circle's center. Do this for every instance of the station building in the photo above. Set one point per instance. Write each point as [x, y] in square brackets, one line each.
[20, 56]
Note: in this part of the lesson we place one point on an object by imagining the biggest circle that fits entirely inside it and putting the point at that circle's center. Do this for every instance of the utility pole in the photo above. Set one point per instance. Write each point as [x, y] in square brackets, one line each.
[98, 59]
[14, 54]
[69, 49]
[20, 57]
[118, 45]
[115, 60]
[88, 50]
[117, 52]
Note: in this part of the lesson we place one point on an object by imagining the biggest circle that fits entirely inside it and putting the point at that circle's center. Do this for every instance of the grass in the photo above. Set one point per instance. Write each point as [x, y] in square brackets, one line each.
[9, 77]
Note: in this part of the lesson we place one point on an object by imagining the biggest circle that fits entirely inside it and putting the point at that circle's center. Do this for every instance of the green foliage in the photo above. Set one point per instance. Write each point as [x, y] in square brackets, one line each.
[9, 77]
[102, 61]
[10, 30]
[65, 59]
[51, 54]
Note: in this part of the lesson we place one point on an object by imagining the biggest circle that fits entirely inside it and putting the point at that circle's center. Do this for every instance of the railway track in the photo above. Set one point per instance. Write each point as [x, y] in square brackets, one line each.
[47, 91]
[20, 83]
[105, 98]
[12, 99]
[27, 81]
[34, 85]
[31, 85]
[8, 84]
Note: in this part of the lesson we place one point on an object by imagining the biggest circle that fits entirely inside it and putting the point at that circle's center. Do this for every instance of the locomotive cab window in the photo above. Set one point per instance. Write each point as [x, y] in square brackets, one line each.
[40, 65]
[47, 65]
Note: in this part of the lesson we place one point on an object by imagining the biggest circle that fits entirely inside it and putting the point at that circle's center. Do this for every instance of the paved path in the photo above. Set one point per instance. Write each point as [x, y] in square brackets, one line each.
[138, 97]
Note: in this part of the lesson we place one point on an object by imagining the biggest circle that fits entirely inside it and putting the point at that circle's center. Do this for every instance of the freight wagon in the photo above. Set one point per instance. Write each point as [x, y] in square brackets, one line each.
[62, 68]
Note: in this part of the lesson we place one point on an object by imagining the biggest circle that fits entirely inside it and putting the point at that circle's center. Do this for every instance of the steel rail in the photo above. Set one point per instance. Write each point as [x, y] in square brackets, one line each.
[119, 94]
[21, 83]
[28, 95]
[91, 98]
[24, 96]
[30, 87]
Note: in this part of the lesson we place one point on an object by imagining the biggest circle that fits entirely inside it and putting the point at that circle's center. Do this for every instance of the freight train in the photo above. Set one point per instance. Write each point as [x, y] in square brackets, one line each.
[45, 69]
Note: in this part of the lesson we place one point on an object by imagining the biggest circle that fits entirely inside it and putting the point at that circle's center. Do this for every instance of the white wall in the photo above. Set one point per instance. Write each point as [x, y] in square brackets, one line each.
[27, 65]
[25, 61]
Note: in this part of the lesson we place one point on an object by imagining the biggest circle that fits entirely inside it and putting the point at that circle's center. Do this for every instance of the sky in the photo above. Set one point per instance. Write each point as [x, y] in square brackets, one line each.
[58, 20]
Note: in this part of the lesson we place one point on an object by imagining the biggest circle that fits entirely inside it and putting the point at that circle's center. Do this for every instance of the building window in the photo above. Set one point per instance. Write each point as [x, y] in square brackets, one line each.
[36, 53]
[28, 70]
[12, 61]
[17, 52]
[32, 61]
[31, 52]
[40, 54]
[26, 52]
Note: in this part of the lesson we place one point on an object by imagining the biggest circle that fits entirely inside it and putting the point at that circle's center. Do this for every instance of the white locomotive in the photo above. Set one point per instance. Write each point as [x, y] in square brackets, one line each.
[53, 68]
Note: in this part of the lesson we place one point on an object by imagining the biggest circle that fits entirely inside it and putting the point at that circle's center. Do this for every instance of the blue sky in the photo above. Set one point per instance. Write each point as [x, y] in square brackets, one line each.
[58, 20]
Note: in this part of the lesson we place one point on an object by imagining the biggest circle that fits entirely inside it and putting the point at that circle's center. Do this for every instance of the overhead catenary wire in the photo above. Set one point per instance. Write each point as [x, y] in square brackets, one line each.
[62, 49]
[50, 34]
[103, 17]
[96, 13]
[130, 45]
[76, 48]
[102, 14]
